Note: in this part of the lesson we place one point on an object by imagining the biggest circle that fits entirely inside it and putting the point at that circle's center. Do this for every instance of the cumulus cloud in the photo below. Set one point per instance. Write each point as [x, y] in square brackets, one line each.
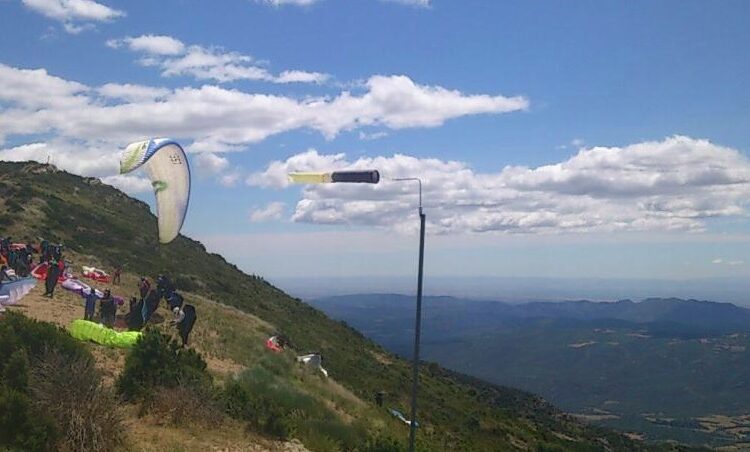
[132, 93]
[75, 15]
[372, 136]
[153, 44]
[287, 2]
[272, 211]
[128, 183]
[418, 3]
[673, 184]
[174, 58]
[211, 164]
[215, 119]
[301, 77]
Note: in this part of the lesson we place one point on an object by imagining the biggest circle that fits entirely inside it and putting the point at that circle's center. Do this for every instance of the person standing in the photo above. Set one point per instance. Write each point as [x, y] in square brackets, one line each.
[143, 287]
[116, 275]
[90, 305]
[53, 272]
[107, 309]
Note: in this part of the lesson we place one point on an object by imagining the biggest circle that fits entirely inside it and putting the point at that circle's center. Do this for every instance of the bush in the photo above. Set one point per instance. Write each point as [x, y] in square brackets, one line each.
[184, 406]
[159, 361]
[16, 372]
[71, 392]
[382, 443]
[277, 408]
[27, 422]
[20, 426]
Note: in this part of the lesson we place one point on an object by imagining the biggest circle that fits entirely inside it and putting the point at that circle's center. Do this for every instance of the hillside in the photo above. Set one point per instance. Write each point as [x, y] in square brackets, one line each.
[664, 367]
[101, 226]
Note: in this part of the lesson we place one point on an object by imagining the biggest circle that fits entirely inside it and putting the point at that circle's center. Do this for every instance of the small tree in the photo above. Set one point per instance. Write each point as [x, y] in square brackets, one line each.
[158, 360]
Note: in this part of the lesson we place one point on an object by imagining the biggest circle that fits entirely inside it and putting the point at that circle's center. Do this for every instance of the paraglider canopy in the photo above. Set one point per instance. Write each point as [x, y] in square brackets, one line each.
[167, 167]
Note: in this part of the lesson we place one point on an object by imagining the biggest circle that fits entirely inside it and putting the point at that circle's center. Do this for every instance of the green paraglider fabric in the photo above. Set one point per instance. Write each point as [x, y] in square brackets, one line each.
[83, 330]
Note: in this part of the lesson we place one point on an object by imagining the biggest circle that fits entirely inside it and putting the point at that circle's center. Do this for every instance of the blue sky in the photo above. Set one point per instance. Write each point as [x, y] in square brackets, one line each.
[566, 139]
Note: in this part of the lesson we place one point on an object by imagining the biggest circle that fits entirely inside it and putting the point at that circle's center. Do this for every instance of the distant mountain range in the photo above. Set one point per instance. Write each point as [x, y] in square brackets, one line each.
[659, 366]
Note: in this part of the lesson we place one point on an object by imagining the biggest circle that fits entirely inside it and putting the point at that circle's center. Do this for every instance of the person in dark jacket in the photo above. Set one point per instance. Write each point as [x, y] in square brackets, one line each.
[53, 272]
[164, 286]
[90, 305]
[174, 300]
[107, 309]
[134, 318]
[43, 250]
[143, 287]
[187, 319]
[149, 305]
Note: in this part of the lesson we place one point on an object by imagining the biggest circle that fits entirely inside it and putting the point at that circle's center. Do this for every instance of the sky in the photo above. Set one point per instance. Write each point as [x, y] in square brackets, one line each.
[555, 139]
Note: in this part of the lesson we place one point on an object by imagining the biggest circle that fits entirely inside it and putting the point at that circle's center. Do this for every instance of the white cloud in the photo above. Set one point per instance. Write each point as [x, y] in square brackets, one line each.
[372, 136]
[288, 2]
[75, 15]
[302, 77]
[35, 88]
[90, 160]
[673, 184]
[230, 179]
[272, 211]
[128, 183]
[211, 164]
[152, 44]
[132, 93]
[207, 63]
[215, 119]
[418, 3]
[717, 261]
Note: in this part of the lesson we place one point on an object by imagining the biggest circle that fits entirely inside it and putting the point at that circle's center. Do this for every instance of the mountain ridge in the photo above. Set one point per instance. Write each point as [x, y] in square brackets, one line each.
[100, 225]
[623, 361]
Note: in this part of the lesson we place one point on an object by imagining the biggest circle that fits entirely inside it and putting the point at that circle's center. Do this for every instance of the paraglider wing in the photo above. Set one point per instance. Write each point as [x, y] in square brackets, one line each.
[166, 164]
[11, 292]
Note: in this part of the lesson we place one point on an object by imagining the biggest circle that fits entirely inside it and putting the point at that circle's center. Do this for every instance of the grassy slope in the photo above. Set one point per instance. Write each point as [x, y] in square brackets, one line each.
[101, 225]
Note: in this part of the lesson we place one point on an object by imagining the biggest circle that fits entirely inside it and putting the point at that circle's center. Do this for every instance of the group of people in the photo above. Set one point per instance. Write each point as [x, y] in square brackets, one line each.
[107, 307]
[17, 261]
[141, 310]
[19, 258]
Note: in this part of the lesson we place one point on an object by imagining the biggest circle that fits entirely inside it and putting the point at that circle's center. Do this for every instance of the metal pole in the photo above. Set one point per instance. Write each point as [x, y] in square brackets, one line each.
[417, 331]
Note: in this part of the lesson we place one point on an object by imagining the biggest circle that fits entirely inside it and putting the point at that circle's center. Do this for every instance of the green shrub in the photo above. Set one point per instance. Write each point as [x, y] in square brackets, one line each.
[16, 372]
[158, 360]
[71, 392]
[26, 423]
[21, 427]
[275, 407]
[185, 406]
[381, 443]
[36, 338]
